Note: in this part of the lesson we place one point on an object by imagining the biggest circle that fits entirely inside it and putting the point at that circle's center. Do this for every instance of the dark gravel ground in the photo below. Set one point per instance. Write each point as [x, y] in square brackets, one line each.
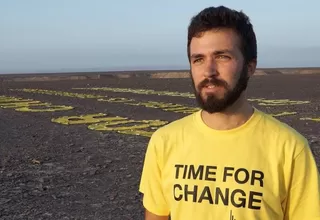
[55, 171]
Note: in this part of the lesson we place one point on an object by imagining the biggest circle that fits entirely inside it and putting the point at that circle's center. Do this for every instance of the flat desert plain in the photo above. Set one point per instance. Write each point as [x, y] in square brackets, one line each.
[74, 149]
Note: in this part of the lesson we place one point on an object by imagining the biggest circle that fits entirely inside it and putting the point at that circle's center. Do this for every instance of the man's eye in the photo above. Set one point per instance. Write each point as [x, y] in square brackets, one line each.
[223, 57]
[197, 60]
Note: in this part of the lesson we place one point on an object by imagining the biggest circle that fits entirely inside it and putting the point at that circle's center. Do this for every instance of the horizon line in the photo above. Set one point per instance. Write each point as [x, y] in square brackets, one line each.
[137, 70]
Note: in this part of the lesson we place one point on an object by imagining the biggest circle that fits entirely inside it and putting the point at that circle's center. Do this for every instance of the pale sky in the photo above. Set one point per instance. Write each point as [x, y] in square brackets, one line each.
[79, 35]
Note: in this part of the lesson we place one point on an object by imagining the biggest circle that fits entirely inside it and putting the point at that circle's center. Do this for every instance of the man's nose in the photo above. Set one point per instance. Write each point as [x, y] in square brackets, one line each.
[210, 69]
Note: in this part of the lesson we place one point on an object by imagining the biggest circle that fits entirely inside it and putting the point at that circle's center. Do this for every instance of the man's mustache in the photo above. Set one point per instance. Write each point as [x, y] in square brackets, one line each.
[212, 81]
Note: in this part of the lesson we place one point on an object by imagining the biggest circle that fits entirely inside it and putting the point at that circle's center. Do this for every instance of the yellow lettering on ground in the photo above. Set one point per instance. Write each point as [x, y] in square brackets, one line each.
[261, 101]
[280, 102]
[283, 114]
[103, 122]
[4, 99]
[140, 91]
[45, 108]
[137, 132]
[20, 104]
[86, 119]
[311, 119]
[30, 105]
[255, 100]
[177, 108]
[133, 127]
[116, 100]
[60, 93]
[107, 126]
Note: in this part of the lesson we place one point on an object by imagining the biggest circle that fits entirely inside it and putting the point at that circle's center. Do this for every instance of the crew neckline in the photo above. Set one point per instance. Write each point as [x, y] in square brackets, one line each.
[203, 127]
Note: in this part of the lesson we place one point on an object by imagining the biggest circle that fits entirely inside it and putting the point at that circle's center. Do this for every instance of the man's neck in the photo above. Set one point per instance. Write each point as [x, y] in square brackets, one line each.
[231, 118]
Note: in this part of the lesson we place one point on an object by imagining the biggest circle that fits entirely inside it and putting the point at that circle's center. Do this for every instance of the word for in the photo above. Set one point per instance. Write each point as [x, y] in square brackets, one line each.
[103, 122]
[30, 105]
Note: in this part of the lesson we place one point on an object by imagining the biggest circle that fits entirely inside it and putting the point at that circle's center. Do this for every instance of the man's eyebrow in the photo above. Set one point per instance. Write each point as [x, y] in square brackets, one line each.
[222, 52]
[217, 52]
[196, 55]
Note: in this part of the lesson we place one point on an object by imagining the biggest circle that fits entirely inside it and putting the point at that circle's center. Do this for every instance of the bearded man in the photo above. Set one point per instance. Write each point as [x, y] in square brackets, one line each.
[228, 160]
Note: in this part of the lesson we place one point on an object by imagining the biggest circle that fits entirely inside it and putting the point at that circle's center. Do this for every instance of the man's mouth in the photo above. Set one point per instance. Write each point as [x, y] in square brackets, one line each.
[210, 86]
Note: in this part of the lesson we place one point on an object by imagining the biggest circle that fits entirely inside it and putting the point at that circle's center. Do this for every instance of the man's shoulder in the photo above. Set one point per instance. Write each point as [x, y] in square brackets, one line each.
[176, 126]
[281, 129]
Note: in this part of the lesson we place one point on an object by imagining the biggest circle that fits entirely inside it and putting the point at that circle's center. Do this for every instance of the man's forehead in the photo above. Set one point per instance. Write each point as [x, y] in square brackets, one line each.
[216, 40]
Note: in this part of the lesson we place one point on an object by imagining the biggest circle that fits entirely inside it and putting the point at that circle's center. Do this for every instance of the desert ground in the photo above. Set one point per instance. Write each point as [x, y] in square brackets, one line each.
[74, 149]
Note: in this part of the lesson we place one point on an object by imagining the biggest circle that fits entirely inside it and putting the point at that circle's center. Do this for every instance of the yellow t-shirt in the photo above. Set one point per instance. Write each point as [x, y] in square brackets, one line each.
[262, 170]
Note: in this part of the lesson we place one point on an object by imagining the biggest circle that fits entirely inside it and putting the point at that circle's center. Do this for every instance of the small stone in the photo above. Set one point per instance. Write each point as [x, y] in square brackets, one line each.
[130, 207]
[93, 172]
[88, 159]
[48, 164]
[80, 150]
[34, 161]
[47, 214]
[98, 205]
[4, 201]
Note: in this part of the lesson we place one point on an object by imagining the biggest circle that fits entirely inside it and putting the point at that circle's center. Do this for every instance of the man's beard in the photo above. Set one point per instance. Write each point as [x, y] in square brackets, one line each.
[213, 104]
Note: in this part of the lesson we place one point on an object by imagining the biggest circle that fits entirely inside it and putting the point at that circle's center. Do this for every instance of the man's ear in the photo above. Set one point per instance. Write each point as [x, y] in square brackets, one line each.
[252, 65]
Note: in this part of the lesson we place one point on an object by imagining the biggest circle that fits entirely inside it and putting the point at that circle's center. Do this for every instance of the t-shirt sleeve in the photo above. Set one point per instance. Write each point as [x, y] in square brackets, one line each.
[151, 184]
[303, 201]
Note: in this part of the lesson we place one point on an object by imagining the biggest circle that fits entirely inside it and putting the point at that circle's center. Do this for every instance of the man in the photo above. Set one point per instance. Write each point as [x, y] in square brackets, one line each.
[229, 160]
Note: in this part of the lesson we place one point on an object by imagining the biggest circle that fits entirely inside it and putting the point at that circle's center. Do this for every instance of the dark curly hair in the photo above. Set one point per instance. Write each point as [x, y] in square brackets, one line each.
[223, 17]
